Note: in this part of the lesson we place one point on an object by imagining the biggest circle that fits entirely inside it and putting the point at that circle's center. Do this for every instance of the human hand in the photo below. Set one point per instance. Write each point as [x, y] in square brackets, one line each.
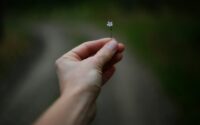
[82, 72]
[89, 66]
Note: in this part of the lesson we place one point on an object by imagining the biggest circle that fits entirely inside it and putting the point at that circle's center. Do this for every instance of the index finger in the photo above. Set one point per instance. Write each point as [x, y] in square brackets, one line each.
[86, 49]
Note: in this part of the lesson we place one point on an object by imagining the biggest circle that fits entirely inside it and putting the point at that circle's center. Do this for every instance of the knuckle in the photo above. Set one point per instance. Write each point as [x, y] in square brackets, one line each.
[105, 56]
[96, 62]
[86, 45]
[62, 62]
[58, 62]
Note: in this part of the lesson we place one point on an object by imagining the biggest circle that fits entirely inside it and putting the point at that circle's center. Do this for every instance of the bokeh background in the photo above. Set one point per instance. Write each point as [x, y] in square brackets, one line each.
[157, 83]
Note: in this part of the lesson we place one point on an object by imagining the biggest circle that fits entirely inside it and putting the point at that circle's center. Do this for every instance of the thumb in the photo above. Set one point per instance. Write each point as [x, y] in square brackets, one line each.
[106, 53]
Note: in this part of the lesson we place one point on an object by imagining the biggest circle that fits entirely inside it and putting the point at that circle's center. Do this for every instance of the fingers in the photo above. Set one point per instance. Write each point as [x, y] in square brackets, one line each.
[86, 49]
[121, 48]
[116, 58]
[108, 74]
[106, 53]
[89, 48]
[109, 69]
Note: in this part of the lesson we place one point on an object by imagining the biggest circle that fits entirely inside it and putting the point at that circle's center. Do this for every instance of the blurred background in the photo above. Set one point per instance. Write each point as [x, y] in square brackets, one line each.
[157, 83]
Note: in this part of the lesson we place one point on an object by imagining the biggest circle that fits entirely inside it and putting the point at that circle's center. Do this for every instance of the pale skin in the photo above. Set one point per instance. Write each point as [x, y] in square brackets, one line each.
[82, 72]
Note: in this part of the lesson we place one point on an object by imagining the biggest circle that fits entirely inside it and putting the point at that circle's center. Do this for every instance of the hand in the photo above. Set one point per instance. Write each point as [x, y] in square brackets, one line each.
[89, 65]
[82, 72]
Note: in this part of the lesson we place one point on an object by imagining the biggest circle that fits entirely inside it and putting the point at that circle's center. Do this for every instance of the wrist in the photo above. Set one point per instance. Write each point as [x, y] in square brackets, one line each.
[78, 101]
[81, 91]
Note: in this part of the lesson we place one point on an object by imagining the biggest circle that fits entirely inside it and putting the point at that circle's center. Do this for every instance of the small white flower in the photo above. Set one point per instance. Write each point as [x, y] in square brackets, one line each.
[109, 23]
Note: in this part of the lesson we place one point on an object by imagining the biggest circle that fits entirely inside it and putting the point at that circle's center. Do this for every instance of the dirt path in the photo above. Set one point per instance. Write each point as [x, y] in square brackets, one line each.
[132, 96]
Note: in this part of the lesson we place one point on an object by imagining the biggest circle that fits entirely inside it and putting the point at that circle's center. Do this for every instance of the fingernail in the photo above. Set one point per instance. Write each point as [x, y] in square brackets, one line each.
[112, 45]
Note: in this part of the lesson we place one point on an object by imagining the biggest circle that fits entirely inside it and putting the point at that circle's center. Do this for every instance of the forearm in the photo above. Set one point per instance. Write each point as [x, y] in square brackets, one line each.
[71, 108]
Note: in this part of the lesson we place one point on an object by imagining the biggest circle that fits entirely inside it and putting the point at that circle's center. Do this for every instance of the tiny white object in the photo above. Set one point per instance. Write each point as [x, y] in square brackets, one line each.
[109, 23]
